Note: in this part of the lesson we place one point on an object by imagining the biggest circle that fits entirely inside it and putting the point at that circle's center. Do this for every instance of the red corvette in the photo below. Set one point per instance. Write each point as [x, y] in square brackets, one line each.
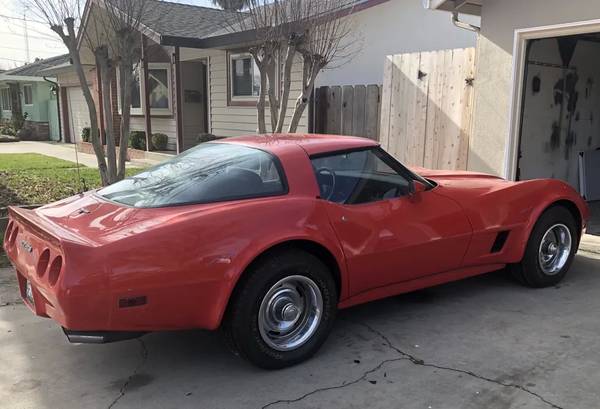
[267, 236]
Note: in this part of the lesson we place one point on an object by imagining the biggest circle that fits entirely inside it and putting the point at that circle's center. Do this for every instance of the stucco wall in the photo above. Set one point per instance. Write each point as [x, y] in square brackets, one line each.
[38, 110]
[40, 93]
[499, 20]
[395, 27]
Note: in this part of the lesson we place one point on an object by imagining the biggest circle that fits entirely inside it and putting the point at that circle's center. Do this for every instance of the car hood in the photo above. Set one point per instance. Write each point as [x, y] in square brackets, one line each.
[463, 185]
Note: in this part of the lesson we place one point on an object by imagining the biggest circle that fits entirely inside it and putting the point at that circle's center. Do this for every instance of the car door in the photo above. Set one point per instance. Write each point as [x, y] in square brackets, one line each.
[389, 234]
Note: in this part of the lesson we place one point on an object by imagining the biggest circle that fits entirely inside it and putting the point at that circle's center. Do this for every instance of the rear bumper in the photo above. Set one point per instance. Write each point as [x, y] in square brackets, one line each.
[99, 337]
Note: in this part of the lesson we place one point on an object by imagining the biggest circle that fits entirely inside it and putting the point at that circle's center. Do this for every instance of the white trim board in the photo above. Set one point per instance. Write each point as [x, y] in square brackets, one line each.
[511, 154]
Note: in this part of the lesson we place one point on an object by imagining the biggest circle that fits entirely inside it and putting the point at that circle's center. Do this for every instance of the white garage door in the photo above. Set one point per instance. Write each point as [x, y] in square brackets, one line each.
[78, 112]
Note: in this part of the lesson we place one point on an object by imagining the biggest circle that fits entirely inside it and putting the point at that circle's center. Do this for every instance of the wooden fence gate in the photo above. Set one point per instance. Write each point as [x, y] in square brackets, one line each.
[426, 107]
[348, 110]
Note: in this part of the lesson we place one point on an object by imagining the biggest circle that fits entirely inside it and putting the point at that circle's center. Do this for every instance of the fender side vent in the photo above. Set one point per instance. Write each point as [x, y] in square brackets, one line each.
[500, 241]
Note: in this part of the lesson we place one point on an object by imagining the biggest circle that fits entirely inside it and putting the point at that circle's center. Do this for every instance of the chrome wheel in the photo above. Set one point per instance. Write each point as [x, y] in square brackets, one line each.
[290, 313]
[555, 249]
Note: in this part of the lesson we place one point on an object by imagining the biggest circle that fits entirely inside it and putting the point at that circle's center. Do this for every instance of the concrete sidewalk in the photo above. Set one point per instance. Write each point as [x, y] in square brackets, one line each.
[64, 151]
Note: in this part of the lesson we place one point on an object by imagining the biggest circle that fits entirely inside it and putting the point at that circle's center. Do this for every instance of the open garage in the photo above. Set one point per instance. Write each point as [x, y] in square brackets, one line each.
[560, 115]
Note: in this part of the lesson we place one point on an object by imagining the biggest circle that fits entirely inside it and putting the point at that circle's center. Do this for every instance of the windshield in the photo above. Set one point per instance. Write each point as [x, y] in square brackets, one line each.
[207, 173]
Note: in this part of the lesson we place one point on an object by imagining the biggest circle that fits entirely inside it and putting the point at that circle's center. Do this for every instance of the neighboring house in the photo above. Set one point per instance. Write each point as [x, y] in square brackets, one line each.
[25, 90]
[391, 27]
[537, 87]
[200, 79]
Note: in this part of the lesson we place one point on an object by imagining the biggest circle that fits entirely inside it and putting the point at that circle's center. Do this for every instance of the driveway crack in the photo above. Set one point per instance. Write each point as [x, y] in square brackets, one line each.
[414, 360]
[343, 385]
[123, 390]
[421, 362]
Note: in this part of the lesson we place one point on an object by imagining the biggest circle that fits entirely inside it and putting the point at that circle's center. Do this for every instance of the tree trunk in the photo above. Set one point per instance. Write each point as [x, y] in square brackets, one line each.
[71, 43]
[260, 105]
[286, 84]
[106, 79]
[125, 80]
[304, 97]
[271, 68]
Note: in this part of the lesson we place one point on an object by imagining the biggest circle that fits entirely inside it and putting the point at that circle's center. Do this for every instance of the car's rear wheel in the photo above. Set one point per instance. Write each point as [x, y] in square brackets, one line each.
[550, 250]
[283, 310]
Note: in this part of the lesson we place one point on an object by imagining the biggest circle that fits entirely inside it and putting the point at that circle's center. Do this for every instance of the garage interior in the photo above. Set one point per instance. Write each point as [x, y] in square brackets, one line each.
[560, 118]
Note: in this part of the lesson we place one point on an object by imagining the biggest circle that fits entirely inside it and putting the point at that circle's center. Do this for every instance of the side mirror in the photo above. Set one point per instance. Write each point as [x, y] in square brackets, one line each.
[414, 187]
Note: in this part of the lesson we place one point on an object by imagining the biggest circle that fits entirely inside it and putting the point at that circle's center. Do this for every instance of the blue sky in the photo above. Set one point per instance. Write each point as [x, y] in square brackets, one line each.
[43, 43]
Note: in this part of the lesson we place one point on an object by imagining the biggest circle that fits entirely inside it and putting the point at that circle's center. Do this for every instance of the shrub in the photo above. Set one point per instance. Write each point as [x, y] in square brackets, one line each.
[137, 140]
[8, 131]
[18, 120]
[159, 141]
[86, 134]
[207, 137]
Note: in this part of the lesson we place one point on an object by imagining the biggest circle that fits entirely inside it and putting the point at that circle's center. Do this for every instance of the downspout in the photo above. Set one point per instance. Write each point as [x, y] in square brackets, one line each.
[465, 26]
[57, 88]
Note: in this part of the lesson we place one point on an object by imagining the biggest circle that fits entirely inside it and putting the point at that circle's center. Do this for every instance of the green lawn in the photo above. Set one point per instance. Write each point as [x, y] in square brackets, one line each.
[34, 179]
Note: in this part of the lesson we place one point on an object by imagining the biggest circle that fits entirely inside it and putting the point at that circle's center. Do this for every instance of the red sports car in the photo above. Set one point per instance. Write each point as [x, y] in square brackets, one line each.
[267, 236]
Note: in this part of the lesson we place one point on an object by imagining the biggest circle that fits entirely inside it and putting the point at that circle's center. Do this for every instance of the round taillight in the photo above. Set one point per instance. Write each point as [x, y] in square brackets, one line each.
[54, 270]
[42, 264]
[13, 236]
[8, 231]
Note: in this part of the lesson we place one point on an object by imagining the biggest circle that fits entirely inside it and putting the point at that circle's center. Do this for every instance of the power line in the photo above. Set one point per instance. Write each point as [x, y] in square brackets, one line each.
[29, 29]
[32, 49]
[24, 19]
[48, 38]
[11, 59]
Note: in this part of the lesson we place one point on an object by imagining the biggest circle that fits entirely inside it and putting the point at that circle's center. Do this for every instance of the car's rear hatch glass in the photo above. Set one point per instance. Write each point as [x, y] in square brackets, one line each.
[210, 172]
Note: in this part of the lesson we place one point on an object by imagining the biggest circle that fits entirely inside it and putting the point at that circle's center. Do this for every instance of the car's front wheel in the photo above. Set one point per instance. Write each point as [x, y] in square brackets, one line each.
[550, 250]
[283, 310]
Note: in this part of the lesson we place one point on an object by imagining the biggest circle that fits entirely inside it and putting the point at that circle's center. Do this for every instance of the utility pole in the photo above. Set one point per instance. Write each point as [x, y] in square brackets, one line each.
[26, 35]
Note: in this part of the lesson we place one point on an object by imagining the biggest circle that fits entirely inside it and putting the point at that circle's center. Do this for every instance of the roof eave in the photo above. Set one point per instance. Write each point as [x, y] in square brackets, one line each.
[222, 41]
[21, 78]
[472, 7]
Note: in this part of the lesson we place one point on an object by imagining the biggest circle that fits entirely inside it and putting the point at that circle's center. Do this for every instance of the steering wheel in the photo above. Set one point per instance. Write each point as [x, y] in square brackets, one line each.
[326, 192]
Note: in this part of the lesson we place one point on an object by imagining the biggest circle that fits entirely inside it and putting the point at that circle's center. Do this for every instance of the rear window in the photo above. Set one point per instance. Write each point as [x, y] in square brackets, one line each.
[210, 172]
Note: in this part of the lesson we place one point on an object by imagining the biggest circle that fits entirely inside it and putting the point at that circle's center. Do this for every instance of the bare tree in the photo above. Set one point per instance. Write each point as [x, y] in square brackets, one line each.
[319, 31]
[122, 19]
[111, 34]
[63, 17]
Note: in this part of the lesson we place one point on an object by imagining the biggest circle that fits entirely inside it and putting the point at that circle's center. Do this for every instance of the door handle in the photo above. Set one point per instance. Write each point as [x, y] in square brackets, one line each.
[344, 219]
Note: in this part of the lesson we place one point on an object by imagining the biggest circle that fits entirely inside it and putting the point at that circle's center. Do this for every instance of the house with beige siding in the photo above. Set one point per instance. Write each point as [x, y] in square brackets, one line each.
[193, 79]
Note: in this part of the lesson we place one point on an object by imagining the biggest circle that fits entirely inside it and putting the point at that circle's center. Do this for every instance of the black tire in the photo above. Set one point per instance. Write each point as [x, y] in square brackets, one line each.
[529, 271]
[241, 324]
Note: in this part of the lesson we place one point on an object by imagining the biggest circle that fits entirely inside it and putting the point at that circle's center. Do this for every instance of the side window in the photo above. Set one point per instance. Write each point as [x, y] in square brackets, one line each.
[358, 177]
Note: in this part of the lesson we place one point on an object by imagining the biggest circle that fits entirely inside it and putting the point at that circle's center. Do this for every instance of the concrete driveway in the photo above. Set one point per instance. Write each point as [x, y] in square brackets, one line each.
[485, 342]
